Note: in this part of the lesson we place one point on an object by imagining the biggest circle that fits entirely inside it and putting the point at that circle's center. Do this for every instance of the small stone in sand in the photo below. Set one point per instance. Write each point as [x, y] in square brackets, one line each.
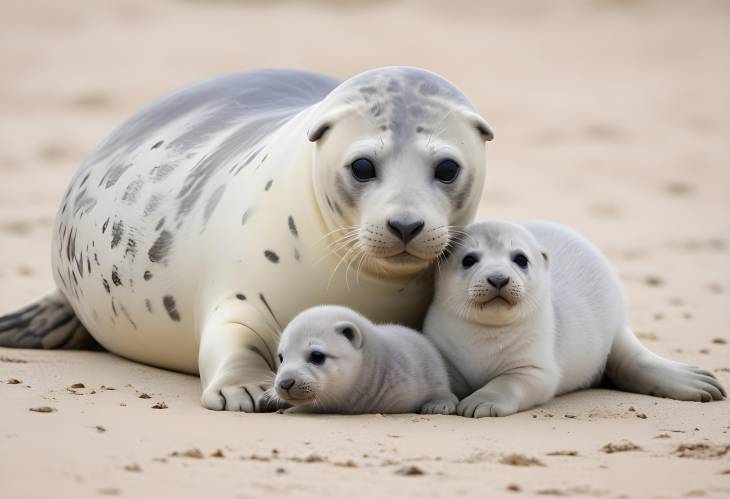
[704, 351]
[653, 280]
[109, 491]
[107, 387]
[641, 415]
[571, 416]
[217, 453]
[702, 451]
[11, 360]
[719, 341]
[725, 472]
[14, 381]
[346, 464]
[133, 467]
[520, 460]
[563, 453]
[632, 408]
[100, 429]
[663, 435]
[513, 487]
[193, 453]
[159, 405]
[144, 396]
[78, 385]
[621, 446]
[44, 408]
[280, 471]
[410, 471]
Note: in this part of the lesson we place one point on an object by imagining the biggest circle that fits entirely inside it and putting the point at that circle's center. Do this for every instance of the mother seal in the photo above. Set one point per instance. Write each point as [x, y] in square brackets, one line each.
[194, 233]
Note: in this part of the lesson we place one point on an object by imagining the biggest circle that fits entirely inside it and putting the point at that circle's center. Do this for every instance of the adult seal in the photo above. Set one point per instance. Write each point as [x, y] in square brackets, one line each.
[524, 313]
[194, 233]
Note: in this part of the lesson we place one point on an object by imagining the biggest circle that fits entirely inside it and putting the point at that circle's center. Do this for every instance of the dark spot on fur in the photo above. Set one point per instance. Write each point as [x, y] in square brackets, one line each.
[245, 217]
[117, 232]
[268, 184]
[293, 227]
[338, 209]
[152, 204]
[212, 203]
[370, 90]
[86, 177]
[131, 248]
[96, 259]
[114, 174]
[271, 256]
[148, 304]
[157, 144]
[147, 275]
[161, 247]
[114, 308]
[160, 223]
[132, 191]
[115, 277]
[241, 296]
[297, 256]
[169, 303]
[106, 285]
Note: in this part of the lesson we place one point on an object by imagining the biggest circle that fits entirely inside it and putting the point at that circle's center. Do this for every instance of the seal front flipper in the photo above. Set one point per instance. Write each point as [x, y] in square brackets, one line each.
[236, 360]
[47, 323]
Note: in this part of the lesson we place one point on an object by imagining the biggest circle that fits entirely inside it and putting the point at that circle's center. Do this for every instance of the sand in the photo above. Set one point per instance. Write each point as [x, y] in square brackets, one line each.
[610, 116]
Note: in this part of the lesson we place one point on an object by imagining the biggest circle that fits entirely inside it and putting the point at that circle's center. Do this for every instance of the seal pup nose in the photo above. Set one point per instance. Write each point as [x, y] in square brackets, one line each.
[287, 383]
[406, 231]
[498, 280]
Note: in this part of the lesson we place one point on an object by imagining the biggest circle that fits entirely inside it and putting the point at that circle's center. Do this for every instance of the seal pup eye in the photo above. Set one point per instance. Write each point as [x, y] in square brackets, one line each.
[469, 260]
[317, 358]
[521, 260]
[281, 358]
[363, 169]
[446, 171]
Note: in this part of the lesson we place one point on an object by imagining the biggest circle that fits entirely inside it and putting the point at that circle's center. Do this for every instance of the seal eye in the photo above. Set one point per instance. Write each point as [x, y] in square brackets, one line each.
[317, 358]
[446, 171]
[281, 358]
[521, 260]
[469, 260]
[363, 169]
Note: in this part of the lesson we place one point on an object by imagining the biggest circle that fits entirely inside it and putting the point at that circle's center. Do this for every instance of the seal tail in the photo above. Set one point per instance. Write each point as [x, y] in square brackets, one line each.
[47, 323]
[634, 368]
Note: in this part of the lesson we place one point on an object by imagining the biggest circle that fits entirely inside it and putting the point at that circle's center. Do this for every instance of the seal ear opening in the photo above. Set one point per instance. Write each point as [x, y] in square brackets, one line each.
[545, 258]
[351, 332]
[481, 125]
[316, 132]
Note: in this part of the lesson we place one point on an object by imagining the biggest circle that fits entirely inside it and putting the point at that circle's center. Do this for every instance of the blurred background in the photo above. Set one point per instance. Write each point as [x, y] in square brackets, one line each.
[610, 115]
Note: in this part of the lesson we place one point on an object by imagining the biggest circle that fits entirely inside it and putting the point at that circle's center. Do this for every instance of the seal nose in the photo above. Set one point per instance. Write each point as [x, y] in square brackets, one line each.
[406, 231]
[498, 280]
[287, 383]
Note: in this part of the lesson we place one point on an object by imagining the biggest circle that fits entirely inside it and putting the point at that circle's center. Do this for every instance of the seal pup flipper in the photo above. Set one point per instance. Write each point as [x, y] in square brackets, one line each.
[236, 360]
[443, 403]
[634, 368]
[47, 323]
[510, 392]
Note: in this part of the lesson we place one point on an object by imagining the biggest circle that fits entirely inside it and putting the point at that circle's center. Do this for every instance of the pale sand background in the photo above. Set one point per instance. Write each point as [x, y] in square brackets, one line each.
[610, 116]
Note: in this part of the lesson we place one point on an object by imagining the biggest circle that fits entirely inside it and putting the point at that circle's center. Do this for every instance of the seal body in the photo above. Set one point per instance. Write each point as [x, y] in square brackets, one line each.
[334, 360]
[524, 313]
[194, 233]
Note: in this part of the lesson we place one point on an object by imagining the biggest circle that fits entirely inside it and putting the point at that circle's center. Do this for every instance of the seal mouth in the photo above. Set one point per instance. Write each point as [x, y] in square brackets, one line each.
[404, 257]
[495, 301]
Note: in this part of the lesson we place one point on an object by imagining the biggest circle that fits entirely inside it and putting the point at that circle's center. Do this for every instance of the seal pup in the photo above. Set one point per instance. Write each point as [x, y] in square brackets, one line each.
[195, 232]
[334, 360]
[525, 313]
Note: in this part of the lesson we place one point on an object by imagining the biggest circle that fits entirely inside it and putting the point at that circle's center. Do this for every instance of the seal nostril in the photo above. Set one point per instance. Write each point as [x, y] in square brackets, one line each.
[498, 280]
[287, 383]
[406, 231]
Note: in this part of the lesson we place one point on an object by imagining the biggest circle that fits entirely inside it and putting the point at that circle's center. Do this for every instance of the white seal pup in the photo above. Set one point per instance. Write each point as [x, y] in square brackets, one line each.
[334, 360]
[524, 313]
[199, 228]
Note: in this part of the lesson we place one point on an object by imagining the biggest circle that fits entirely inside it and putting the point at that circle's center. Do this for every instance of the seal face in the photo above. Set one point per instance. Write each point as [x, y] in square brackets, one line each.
[335, 360]
[199, 228]
[524, 313]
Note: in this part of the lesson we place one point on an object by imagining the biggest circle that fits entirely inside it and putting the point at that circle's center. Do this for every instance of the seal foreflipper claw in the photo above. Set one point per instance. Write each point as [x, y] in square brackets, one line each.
[47, 323]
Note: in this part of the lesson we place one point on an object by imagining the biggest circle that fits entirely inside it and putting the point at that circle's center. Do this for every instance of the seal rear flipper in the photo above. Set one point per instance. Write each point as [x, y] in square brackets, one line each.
[47, 323]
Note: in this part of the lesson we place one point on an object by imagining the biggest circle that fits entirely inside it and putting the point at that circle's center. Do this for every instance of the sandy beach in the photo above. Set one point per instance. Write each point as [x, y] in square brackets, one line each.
[610, 116]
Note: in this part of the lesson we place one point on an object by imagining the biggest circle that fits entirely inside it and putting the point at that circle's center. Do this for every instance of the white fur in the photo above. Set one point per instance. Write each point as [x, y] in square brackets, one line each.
[368, 368]
[565, 322]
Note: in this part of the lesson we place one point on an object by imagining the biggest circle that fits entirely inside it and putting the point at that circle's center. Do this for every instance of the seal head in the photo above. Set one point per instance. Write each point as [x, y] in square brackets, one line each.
[398, 163]
[496, 275]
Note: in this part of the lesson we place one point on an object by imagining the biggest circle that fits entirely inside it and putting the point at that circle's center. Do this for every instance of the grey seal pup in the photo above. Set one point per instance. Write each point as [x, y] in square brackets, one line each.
[523, 313]
[334, 360]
